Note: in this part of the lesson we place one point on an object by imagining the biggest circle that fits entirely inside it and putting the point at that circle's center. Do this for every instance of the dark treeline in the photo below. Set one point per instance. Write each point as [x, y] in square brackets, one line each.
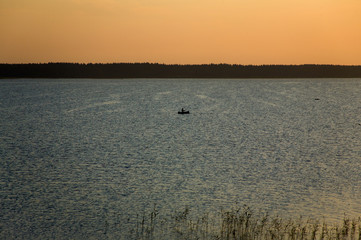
[154, 70]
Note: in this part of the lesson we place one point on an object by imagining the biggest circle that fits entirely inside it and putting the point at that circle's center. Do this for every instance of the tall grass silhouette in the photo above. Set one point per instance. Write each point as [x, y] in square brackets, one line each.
[241, 224]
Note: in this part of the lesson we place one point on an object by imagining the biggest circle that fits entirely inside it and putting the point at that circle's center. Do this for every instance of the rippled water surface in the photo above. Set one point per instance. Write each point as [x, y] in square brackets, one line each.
[81, 158]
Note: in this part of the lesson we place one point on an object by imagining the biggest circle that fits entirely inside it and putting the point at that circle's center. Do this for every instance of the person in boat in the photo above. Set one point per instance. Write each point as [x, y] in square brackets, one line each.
[183, 110]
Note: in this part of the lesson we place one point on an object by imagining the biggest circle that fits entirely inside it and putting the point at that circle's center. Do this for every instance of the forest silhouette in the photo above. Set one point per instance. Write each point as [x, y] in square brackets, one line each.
[155, 70]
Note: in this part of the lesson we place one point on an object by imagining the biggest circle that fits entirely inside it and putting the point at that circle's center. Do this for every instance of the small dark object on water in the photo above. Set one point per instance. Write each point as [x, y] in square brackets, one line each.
[183, 112]
[317, 99]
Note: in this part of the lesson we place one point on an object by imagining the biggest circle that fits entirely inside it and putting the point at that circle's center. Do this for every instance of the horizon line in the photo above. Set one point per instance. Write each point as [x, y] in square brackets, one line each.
[182, 64]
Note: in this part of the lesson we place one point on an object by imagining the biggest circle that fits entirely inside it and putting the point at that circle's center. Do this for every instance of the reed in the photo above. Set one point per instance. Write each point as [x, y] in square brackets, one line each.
[241, 224]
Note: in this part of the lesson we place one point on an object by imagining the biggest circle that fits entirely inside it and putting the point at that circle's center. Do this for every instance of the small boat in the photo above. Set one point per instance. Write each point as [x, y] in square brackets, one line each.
[183, 112]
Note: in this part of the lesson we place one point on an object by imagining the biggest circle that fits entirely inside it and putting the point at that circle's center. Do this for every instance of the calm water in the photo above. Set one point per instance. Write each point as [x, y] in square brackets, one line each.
[81, 158]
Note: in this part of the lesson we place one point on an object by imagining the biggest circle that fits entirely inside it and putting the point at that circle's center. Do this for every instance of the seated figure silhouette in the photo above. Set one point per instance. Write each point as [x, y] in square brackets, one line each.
[183, 111]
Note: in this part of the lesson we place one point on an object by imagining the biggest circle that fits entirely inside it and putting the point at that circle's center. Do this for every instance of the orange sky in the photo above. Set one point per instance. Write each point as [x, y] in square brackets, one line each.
[181, 31]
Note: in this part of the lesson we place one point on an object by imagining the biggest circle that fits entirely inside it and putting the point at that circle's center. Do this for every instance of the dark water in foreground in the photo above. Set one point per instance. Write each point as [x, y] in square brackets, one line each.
[81, 158]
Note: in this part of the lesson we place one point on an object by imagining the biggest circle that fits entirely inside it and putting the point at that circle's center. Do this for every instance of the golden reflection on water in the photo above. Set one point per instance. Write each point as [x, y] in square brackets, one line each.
[84, 157]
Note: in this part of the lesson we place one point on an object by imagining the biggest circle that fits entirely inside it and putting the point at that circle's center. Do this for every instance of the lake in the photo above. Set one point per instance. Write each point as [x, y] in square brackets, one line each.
[84, 158]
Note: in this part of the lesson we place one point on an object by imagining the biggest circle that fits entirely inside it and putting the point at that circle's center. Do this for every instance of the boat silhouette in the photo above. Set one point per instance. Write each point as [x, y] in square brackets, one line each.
[183, 112]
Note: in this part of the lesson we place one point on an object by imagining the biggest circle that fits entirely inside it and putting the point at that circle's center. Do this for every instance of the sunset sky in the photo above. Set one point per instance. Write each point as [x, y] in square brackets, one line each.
[181, 31]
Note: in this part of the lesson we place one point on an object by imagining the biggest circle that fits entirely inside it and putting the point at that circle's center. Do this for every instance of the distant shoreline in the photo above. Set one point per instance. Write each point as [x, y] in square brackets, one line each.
[155, 70]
